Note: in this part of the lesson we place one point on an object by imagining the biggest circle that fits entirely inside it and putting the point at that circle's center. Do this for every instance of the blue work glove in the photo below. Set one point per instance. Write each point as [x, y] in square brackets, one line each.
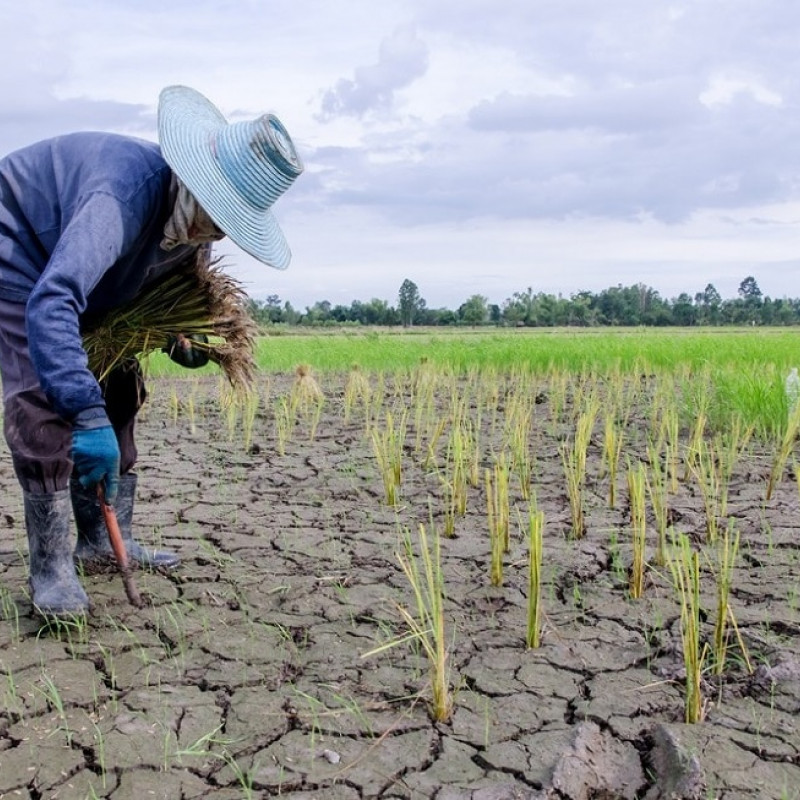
[181, 350]
[95, 454]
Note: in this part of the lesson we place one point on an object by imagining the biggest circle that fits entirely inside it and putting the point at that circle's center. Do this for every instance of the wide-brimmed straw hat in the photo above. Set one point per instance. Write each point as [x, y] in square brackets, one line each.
[235, 171]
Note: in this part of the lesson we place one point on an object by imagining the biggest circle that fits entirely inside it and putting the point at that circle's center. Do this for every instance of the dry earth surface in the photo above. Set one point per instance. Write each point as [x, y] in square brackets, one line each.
[245, 675]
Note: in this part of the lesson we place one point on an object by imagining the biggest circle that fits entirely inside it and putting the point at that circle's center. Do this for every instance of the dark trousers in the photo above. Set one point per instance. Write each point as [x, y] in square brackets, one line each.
[40, 441]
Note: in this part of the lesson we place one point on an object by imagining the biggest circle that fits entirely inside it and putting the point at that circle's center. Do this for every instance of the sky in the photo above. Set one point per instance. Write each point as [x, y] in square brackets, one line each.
[471, 146]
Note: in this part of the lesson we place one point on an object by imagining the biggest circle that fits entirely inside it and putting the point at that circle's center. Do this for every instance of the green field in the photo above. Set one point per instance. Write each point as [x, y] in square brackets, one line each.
[598, 349]
[742, 370]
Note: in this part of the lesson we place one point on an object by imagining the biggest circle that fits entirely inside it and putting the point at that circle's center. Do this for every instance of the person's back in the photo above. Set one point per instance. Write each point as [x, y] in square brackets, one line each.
[84, 186]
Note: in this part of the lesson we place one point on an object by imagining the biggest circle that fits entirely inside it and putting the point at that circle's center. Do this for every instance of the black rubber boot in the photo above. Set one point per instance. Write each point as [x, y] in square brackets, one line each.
[93, 551]
[55, 587]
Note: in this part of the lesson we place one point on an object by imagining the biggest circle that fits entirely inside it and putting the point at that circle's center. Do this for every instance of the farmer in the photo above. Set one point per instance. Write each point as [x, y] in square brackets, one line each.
[87, 221]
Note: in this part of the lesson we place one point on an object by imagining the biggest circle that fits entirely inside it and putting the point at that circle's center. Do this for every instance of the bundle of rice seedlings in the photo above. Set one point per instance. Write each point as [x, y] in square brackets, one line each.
[305, 391]
[200, 300]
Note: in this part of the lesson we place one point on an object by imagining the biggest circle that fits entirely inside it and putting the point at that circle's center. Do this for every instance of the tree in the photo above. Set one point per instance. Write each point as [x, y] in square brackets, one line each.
[409, 303]
[475, 311]
[749, 291]
[683, 310]
[709, 303]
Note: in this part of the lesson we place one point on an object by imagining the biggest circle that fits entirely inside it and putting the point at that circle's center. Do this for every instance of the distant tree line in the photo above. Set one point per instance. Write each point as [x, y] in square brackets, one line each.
[617, 305]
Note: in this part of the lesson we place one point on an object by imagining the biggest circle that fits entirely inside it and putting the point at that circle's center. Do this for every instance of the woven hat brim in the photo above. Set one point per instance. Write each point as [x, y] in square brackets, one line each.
[187, 124]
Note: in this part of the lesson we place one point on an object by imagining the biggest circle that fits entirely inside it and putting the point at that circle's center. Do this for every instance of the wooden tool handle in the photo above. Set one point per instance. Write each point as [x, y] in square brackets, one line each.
[118, 546]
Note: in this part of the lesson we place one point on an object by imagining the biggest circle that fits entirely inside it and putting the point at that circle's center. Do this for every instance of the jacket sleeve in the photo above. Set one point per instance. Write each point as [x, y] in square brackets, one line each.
[101, 230]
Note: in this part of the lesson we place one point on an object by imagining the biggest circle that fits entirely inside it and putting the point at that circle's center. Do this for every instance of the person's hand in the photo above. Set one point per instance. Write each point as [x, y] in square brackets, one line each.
[95, 454]
[182, 351]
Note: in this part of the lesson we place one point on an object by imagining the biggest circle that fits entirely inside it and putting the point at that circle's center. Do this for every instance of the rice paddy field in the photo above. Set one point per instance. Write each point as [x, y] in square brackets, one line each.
[484, 565]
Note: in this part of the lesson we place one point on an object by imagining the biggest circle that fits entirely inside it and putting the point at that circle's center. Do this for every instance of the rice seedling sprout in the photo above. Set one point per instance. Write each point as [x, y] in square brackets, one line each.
[426, 624]
[684, 565]
[387, 444]
[535, 536]
[636, 494]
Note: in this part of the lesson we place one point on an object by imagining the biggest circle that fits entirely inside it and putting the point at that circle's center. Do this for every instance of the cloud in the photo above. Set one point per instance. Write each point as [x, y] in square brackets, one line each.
[658, 105]
[402, 58]
[557, 125]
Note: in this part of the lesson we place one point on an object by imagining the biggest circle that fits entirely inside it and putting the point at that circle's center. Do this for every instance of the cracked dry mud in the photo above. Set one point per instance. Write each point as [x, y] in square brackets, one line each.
[244, 675]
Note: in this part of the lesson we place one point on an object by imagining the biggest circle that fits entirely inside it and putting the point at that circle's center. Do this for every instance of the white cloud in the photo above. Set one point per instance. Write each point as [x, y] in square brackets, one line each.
[722, 89]
[474, 146]
[402, 59]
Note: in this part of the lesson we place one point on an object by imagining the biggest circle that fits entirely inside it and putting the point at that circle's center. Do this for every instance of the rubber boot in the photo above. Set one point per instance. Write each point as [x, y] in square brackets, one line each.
[55, 587]
[93, 551]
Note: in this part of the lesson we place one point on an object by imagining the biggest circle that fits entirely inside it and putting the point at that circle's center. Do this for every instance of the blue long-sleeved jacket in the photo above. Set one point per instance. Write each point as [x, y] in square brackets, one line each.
[81, 222]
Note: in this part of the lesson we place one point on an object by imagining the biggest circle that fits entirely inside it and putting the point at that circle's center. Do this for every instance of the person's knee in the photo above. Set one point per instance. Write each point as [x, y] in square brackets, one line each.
[39, 441]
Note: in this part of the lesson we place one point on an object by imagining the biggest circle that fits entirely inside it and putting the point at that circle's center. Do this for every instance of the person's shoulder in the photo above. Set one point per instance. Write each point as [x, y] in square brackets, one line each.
[99, 145]
[89, 165]
[113, 163]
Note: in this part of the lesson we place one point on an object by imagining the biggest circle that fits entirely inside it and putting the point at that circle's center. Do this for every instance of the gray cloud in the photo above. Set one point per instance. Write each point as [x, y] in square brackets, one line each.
[582, 113]
[402, 58]
[639, 131]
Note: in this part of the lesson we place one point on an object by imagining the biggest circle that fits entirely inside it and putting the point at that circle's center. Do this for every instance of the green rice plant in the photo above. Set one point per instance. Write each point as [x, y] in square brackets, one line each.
[387, 444]
[473, 436]
[784, 451]
[672, 445]
[357, 392]
[583, 396]
[535, 537]
[727, 550]
[100, 752]
[615, 382]
[637, 494]
[378, 396]
[306, 399]
[612, 449]
[496, 539]
[657, 490]
[250, 400]
[755, 395]
[10, 611]
[498, 504]
[519, 417]
[632, 392]
[201, 748]
[662, 399]
[52, 696]
[585, 426]
[72, 629]
[574, 460]
[695, 445]
[491, 385]
[13, 705]
[559, 382]
[284, 424]
[684, 563]
[229, 403]
[574, 471]
[451, 500]
[190, 413]
[424, 378]
[705, 467]
[433, 436]
[426, 624]
[729, 446]
[457, 466]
